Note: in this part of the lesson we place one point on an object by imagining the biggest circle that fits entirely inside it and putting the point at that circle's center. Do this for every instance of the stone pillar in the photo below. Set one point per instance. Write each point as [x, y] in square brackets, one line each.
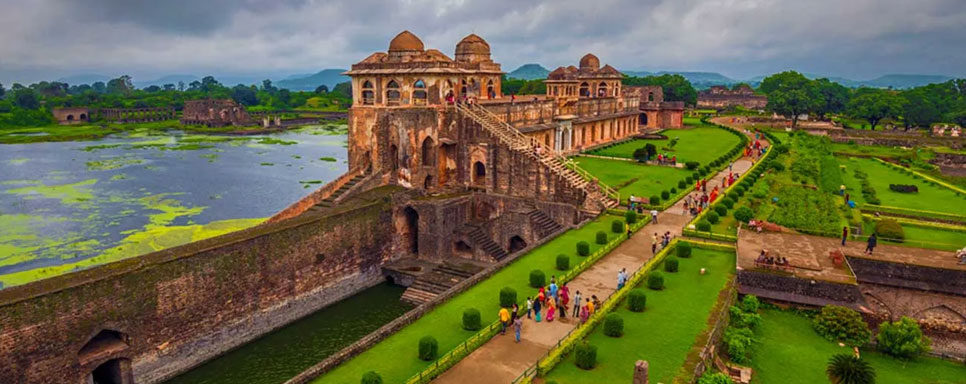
[640, 372]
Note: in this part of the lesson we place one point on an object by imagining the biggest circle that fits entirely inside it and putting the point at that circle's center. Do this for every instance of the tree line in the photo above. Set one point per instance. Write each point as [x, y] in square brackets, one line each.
[792, 95]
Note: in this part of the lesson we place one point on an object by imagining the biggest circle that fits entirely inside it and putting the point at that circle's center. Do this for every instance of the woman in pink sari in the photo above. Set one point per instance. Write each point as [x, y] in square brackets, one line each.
[551, 308]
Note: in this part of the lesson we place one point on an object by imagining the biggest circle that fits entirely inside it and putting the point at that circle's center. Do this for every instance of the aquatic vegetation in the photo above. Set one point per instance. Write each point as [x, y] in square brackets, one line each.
[92, 148]
[211, 157]
[327, 158]
[18, 161]
[272, 140]
[266, 164]
[67, 193]
[112, 163]
[119, 176]
[310, 181]
[186, 147]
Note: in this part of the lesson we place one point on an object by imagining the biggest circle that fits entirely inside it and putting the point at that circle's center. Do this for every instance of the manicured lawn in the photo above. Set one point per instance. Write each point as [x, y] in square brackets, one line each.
[631, 178]
[878, 151]
[790, 352]
[929, 198]
[396, 357]
[928, 237]
[664, 333]
[703, 143]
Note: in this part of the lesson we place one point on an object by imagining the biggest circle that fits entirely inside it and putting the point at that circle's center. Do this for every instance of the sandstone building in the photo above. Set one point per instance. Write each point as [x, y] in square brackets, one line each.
[720, 97]
[215, 113]
[71, 115]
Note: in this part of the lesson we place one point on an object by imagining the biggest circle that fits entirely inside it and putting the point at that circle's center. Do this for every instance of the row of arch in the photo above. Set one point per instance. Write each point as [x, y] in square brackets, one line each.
[394, 91]
[584, 89]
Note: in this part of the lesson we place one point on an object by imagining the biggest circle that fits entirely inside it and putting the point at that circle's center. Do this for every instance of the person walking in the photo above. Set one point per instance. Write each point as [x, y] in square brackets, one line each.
[654, 243]
[731, 166]
[504, 319]
[529, 306]
[517, 326]
[596, 303]
[553, 288]
[654, 216]
[551, 308]
[585, 312]
[577, 304]
[564, 300]
[620, 279]
[845, 234]
[536, 310]
[870, 245]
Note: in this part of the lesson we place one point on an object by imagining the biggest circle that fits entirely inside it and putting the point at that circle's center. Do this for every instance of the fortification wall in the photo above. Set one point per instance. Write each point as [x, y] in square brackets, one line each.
[909, 276]
[794, 290]
[176, 308]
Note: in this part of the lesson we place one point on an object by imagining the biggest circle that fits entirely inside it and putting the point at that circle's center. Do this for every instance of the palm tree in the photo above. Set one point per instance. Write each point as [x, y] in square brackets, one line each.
[848, 369]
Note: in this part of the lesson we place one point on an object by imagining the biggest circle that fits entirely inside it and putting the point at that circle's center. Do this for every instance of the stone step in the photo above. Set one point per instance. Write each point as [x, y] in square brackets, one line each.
[417, 297]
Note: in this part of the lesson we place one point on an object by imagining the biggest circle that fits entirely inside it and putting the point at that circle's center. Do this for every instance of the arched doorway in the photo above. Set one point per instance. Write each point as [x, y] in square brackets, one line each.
[70, 117]
[479, 173]
[584, 90]
[394, 157]
[642, 120]
[368, 96]
[429, 151]
[108, 348]
[411, 232]
[83, 116]
[461, 249]
[516, 243]
[392, 93]
[428, 183]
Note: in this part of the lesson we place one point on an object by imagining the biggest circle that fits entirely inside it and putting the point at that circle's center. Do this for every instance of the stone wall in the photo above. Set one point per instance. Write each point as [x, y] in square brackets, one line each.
[909, 276]
[167, 311]
[771, 285]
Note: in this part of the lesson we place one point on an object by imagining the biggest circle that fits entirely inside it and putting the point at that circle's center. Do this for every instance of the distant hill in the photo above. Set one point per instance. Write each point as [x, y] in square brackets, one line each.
[700, 80]
[529, 72]
[905, 81]
[84, 79]
[327, 77]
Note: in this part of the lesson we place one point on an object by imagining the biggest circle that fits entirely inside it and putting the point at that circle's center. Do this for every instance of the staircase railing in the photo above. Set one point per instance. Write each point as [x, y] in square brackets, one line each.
[548, 156]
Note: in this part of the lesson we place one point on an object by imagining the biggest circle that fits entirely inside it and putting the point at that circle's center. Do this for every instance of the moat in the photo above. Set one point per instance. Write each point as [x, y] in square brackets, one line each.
[72, 205]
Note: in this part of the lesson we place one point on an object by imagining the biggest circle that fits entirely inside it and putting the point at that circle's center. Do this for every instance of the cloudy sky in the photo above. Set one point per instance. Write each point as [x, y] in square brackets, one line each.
[860, 39]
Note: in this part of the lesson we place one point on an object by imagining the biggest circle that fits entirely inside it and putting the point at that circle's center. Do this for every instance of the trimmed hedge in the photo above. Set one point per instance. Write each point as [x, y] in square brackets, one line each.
[636, 300]
[704, 225]
[601, 237]
[586, 355]
[890, 229]
[655, 280]
[683, 249]
[728, 202]
[671, 265]
[428, 348]
[538, 279]
[682, 184]
[721, 210]
[713, 217]
[744, 214]
[563, 262]
[613, 325]
[508, 296]
[654, 200]
[630, 217]
[371, 377]
[665, 194]
[583, 248]
[471, 319]
[617, 226]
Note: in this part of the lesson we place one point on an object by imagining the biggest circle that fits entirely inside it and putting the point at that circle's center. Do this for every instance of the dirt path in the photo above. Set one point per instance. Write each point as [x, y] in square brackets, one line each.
[502, 360]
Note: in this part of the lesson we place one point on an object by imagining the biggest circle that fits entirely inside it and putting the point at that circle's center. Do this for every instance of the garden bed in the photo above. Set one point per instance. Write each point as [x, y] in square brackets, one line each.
[703, 143]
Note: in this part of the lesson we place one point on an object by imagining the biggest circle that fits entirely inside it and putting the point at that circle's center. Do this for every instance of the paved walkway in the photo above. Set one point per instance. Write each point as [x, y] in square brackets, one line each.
[502, 360]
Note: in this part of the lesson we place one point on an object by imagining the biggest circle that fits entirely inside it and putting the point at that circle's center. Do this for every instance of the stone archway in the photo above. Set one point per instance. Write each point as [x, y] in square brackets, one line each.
[106, 356]
[642, 120]
[516, 243]
[428, 183]
[463, 250]
[411, 230]
[479, 173]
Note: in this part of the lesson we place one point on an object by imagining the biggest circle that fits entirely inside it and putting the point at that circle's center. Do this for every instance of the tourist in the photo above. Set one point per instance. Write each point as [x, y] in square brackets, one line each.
[517, 326]
[845, 234]
[621, 279]
[536, 310]
[654, 216]
[628, 231]
[962, 255]
[529, 306]
[870, 245]
[551, 308]
[504, 320]
[564, 300]
[577, 304]
[596, 303]
[590, 306]
[553, 288]
[585, 312]
[731, 166]
[761, 257]
[514, 313]
[654, 243]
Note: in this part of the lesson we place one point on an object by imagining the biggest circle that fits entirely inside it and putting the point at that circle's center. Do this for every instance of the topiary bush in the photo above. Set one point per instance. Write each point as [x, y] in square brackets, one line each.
[508, 296]
[537, 279]
[428, 348]
[890, 229]
[750, 304]
[636, 300]
[837, 323]
[371, 377]
[683, 249]
[902, 338]
[601, 237]
[563, 262]
[617, 226]
[728, 202]
[586, 355]
[671, 265]
[674, 190]
[654, 200]
[712, 217]
[583, 248]
[471, 319]
[744, 214]
[721, 210]
[614, 325]
[665, 194]
[630, 217]
[704, 225]
[691, 165]
[682, 184]
[655, 280]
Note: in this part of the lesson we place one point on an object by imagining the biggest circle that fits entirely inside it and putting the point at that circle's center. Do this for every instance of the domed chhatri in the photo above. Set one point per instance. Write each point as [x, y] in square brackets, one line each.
[405, 41]
[473, 44]
[590, 61]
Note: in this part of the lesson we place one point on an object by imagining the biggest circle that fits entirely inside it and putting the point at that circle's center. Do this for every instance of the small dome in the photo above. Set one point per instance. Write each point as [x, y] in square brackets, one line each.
[472, 44]
[589, 61]
[405, 41]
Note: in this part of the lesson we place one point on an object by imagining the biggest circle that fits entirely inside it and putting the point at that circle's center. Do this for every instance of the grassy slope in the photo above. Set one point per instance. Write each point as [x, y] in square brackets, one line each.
[650, 179]
[929, 198]
[702, 144]
[395, 358]
[664, 333]
[790, 352]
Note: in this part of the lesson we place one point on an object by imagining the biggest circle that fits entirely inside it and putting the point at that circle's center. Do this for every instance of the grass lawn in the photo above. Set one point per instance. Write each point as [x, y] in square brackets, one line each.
[702, 143]
[927, 237]
[880, 151]
[790, 352]
[929, 198]
[664, 333]
[395, 358]
[631, 178]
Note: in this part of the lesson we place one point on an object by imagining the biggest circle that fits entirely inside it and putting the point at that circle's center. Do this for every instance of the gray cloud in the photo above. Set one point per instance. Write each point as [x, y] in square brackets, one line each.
[740, 38]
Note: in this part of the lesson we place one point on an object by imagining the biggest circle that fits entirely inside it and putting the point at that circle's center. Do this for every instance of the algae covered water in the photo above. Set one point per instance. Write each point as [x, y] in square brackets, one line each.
[66, 206]
[282, 354]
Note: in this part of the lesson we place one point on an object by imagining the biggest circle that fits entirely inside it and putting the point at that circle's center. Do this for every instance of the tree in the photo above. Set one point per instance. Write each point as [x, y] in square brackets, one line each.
[875, 106]
[676, 87]
[283, 97]
[244, 95]
[791, 94]
[920, 108]
[848, 369]
[26, 98]
[152, 89]
[209, 84]
[267, 86]
[169, 87]
[837, 323]
[902, 338]
[322, 89]
[835, 97]
[180, 86]
[120, 85]
[2, 91]
[344, 89]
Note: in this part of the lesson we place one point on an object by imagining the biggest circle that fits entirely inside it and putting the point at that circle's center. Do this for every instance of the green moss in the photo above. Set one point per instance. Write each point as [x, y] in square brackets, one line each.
[73, 193]
[327, 158]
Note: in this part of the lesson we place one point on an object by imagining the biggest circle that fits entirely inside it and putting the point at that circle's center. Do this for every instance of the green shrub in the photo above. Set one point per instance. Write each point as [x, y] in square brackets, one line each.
[665, 195]
[890, 229]
[902, 338]
[750, 304]
[712, 217]
[654, 200]
[691, 165]
[844, 368]
[703, 172]
[740, 190]
[617, 226]
[586, 355]
[742, 319]
[737, 343]
[674, 190]
[655, 280]
[721, 210]
[630, 217]
[731, 196]
[601, 237]
[683, 249]
[689, 180]
[636, 300]
[837, 323]
[583, 248]
[728, 202]
[704, 225]
[744, 214]
[428, 348]
[671, 265]
[695, 176]
[508, 296]
[682, 184]
[471, 319]
[537, 279]
[614, 325]
[371, 377]
[710, 377]
[563, 262]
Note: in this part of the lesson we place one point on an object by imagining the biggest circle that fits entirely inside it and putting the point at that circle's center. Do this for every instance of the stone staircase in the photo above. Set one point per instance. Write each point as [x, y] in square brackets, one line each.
[543, 223]
[437, 281]
[557, 163]
[484, 242]
[329, 202]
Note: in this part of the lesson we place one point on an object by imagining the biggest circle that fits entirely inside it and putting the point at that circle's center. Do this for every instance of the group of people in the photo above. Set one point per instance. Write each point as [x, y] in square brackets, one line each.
[755, 149]
[961, 254]
[663, 241]
[664, 159]
[765, 259]
[552, 302]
